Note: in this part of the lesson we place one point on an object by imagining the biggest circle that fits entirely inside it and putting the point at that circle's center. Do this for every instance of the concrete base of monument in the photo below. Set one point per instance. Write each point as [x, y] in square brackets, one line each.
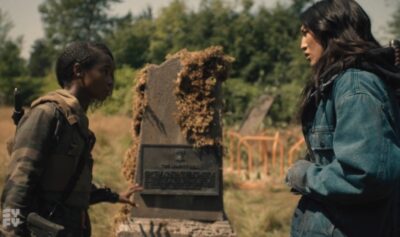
[146, 227]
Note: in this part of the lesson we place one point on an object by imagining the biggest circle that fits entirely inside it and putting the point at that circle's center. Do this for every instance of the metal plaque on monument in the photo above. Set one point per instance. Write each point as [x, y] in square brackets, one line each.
[178, 151]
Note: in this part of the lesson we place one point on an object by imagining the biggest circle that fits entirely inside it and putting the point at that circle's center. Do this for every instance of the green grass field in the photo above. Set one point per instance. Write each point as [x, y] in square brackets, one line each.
[263, 212]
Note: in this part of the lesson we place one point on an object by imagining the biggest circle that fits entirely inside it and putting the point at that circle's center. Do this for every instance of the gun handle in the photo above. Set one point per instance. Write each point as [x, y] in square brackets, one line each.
[18, 110]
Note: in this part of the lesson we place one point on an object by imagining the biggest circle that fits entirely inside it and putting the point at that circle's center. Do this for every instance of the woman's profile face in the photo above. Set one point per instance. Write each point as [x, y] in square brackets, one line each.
[311, 47]
[99, 80]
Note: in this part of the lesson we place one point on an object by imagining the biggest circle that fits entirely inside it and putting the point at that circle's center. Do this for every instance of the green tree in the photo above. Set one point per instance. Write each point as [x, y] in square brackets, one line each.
[13, 74]
[170, 30]
[71, 20]
[265, 43]
[121, 100]
[12, 66]
[41, 58]
[213, 24]
[130, 41]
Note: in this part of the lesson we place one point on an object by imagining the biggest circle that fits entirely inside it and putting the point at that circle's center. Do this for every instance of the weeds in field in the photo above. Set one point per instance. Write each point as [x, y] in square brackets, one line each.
[265, 212]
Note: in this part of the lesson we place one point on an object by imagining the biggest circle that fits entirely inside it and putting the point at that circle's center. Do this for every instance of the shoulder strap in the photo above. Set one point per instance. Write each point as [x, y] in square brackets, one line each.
[75, 176]
[60, 104]
[78, 171]
[64, 111]
[60, 119]
[61, 115]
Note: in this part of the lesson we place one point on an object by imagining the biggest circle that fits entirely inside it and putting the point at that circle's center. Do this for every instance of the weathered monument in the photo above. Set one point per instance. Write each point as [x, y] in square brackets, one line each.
[177, 148]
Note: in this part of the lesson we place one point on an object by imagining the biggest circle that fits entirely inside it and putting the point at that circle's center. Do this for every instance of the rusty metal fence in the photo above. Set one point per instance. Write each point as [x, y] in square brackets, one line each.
[268, 154]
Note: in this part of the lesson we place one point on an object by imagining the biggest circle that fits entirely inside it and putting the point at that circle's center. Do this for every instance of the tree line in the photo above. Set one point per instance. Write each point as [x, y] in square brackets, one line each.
[264, 42]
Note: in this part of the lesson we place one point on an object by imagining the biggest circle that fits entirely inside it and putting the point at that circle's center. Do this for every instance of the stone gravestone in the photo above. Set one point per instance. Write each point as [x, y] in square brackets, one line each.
[254, 118]
[177, 150]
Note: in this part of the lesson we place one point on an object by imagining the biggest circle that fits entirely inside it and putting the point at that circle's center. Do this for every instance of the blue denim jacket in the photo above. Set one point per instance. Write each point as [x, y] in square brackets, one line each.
[350, 185]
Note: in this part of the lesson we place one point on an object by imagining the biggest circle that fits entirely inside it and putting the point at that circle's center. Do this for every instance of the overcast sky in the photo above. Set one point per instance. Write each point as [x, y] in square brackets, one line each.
[24, 14]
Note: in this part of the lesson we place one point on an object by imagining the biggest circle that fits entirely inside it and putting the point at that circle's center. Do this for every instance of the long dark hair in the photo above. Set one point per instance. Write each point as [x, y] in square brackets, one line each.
[344, 31]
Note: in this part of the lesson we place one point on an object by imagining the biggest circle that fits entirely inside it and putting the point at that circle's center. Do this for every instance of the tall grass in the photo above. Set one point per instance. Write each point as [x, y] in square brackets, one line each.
[113, 138]
[7, 130]
[265, 212]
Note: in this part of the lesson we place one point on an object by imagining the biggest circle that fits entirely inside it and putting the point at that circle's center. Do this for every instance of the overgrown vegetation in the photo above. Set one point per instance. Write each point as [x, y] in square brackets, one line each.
[264, 42]
[139, 104]
[197, 89]
[264, 212]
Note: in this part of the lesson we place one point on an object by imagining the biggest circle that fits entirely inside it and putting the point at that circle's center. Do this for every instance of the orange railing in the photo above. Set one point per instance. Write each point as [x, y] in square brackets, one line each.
[233, 137]
[296, 147]
[260, 146]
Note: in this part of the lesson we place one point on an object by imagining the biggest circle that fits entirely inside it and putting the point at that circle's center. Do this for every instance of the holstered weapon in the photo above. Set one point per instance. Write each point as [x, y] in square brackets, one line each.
[18, 110]
[40, 227]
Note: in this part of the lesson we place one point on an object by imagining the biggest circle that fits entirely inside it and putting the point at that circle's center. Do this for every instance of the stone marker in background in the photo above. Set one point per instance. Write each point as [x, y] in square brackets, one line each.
[253, 120]
[177, 149]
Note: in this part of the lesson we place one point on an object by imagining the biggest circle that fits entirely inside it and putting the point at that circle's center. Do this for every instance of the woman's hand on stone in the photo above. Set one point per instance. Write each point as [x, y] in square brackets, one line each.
[124, 197]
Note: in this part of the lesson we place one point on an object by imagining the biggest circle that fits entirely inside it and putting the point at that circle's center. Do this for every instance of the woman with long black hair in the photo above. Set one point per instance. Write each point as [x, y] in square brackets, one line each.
[349, 181]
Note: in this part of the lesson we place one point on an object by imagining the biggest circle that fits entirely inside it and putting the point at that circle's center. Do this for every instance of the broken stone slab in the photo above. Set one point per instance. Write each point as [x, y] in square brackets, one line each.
[177, 150]
[139, 227]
